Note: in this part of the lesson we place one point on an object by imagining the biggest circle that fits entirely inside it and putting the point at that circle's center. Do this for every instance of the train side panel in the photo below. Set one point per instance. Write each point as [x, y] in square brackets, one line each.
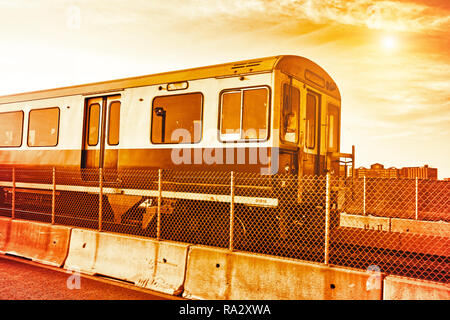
[65, 152]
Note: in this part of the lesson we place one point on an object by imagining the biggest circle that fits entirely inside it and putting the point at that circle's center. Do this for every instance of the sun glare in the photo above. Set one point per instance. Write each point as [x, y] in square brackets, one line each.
[389, 43]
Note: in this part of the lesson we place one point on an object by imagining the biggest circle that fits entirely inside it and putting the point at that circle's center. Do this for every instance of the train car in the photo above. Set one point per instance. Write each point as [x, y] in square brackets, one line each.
[272, 115]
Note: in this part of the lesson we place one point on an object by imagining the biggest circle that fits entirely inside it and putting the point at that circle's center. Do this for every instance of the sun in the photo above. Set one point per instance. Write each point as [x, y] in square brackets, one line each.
[389, 43]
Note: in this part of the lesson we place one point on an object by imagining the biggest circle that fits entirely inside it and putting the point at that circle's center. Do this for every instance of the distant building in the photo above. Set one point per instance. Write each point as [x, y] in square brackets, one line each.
[424, 172]
[377, 170]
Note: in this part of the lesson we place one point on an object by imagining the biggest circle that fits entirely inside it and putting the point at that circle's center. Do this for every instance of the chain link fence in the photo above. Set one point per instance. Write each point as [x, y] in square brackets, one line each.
[396, 226]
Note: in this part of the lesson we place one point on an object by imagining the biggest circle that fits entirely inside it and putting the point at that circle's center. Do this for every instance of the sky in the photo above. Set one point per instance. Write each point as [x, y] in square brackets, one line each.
[390, 59]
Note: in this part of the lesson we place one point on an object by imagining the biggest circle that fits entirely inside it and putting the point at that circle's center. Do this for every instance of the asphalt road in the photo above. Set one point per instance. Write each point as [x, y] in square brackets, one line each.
[26, 280]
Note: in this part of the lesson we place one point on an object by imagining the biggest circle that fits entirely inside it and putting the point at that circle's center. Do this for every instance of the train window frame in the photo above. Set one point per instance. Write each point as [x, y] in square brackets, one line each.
[282, 127]
[118, 123]
[88, 123]
[173, 95]
[57, 128]
[220, 136]
[337, 129]
[21, 128]
[313, 146]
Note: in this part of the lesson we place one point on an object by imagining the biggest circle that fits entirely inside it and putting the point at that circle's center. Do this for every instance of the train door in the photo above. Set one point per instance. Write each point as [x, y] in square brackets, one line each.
[289, 126]
[313, 132]
[333, 121]
[101, 134]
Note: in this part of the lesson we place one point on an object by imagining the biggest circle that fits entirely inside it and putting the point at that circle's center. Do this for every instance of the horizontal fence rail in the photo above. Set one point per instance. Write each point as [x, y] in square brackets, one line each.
[396, 226]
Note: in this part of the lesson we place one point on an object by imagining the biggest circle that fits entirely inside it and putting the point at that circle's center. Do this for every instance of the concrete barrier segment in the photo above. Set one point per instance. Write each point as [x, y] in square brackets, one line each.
[82, 251]
[5, 229]
[169, 268]
[218, 274]
[148, 263]
[207, 272]
[40, 242]
[400, 288]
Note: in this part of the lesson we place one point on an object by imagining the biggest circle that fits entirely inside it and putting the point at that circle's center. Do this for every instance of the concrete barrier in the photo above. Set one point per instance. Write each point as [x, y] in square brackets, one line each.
[433, 228]
[41, 242]
[420, 227]
[148, 263]
[82, 251]
[218, 274]
[170, 268]
[399, 288]
[5, 226]
[208, 273]
[364, 222]
[402, 241]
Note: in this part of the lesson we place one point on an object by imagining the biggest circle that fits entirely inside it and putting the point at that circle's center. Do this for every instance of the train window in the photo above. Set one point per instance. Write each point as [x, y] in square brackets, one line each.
[244, 114]
[94, 122]
[255, 113]
[43, 127]
[333, 127]
[310, 121]
[231, 106]
[177, 118]
[11, 128]
[290, 113]
[114, 121]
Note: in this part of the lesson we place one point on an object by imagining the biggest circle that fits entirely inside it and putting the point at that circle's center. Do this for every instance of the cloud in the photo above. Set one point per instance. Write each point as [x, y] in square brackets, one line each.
[382, 15]
[417, 16]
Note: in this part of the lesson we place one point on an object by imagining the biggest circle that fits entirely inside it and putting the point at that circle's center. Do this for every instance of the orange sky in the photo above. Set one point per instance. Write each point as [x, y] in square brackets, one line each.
[390, 59]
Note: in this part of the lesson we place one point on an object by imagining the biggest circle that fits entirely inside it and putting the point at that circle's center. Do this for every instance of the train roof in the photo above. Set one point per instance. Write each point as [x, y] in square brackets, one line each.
[299, 67]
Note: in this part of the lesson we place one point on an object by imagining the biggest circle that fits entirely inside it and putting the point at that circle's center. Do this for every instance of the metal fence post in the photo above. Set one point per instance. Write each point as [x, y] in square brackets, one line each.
[53, 194]
[231, 247]
[364, 195]
[100, 198]
[13, 200]
[158, 222]
[417, 198]
[327, 219]
[353, 162]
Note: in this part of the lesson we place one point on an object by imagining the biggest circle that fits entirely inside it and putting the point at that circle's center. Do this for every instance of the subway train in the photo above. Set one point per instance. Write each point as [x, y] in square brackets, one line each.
[268, 116]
